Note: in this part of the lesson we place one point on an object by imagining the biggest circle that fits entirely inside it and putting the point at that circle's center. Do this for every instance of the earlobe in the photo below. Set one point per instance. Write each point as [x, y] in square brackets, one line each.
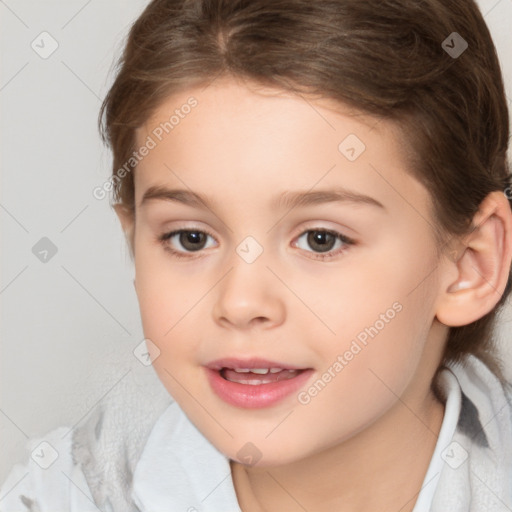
[482, 266]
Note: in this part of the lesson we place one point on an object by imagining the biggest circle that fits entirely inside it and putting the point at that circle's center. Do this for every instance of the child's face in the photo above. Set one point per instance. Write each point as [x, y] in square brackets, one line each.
[360, 324]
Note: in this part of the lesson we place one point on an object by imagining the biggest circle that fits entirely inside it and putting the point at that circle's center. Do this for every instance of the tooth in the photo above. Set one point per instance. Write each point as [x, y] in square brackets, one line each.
[260, 371]
[275, 370]
[242, 370]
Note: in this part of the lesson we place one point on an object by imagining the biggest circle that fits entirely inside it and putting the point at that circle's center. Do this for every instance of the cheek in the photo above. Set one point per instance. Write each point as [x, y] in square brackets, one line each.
[365, 295]
[381, 313]
[361, 380]
[166, 295]
[168, 303]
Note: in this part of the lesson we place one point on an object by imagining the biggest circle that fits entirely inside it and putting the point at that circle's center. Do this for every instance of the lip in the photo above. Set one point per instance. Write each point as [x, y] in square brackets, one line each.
[255, 362]
[254, 396]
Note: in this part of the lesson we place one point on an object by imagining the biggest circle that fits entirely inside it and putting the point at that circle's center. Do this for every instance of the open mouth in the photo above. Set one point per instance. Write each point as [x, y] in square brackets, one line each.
[257, 376]
[255, 383]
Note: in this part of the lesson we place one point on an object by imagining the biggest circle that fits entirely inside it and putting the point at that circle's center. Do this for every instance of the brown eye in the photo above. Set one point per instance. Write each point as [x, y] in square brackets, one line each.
[185, 241]
[192, 240]
[321, 241]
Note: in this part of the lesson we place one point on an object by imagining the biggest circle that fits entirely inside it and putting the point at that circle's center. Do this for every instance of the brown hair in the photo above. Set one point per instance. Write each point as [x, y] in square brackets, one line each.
[383, 57]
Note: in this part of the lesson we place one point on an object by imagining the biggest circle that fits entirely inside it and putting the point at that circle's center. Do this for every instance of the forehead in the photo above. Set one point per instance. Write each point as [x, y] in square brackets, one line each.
[230, 113]
[232, 98]
[261, 139]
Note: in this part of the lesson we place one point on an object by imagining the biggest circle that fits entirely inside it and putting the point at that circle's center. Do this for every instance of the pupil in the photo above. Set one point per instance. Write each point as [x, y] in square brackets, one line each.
[191, 239]
[318, 239]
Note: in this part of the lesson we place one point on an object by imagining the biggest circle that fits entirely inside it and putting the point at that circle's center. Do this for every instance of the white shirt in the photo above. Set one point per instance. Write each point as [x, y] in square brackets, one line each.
[179, 470]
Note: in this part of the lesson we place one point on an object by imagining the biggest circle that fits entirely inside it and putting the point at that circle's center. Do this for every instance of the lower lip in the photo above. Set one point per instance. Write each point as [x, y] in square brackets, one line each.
[255, 397]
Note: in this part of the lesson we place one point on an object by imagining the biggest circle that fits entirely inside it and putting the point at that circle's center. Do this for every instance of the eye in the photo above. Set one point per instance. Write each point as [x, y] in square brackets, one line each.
[192, 240]
[323, 241]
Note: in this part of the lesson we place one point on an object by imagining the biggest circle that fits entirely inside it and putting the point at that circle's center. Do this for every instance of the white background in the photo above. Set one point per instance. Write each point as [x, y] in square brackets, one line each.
[69, 326]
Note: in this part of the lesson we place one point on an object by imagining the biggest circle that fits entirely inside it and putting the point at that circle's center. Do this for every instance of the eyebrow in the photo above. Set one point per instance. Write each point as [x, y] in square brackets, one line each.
[286, 200]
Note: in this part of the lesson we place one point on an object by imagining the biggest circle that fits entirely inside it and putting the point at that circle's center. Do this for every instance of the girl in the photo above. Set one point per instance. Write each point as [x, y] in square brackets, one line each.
[316, 197]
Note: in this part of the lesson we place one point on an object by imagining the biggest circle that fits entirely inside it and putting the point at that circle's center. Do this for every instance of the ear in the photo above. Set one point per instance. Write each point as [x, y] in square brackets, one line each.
[127, 218]
[481, 265]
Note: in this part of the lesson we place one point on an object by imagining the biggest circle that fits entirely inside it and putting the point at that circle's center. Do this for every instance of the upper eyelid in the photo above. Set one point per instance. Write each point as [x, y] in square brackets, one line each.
[296, 233]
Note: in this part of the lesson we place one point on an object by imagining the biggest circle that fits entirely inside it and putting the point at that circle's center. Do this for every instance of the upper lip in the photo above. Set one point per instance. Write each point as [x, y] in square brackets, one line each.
[232, 362]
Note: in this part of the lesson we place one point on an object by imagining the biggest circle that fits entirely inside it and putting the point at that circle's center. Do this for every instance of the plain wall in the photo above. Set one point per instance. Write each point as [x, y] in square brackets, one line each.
[69, 325]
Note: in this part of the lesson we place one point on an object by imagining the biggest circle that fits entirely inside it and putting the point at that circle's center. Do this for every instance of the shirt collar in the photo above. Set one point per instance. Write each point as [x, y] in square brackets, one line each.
[179, 469]
[451, 389]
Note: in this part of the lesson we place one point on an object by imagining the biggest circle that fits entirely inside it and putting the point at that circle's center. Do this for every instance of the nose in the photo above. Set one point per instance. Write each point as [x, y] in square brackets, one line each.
[249, 296]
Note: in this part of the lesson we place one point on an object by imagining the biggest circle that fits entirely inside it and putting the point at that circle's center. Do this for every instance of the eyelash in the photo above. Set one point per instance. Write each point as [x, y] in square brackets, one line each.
[164, 238]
